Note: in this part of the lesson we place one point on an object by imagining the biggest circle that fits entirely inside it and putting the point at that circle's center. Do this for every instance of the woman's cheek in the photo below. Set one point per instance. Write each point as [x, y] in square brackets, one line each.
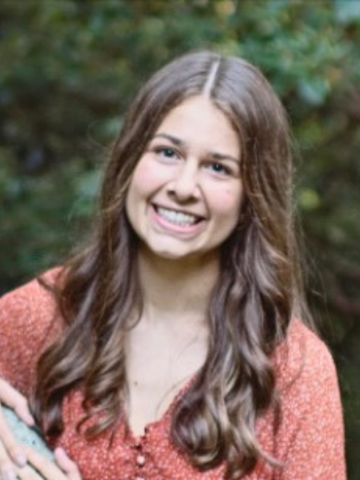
[228, 200]
[151, 174]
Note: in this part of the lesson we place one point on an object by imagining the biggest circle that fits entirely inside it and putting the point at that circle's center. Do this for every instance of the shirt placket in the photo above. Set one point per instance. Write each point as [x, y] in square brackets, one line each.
[140, 457]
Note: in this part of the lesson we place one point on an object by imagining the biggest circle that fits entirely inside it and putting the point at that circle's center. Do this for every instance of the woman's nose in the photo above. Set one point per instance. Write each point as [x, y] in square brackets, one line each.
[184, 185]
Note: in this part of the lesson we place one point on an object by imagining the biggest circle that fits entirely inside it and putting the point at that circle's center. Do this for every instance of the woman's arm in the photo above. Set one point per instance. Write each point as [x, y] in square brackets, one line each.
[28, 324]
[312, 438]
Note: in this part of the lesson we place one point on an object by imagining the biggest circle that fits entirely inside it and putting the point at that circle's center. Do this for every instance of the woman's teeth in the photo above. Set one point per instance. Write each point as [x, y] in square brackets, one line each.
[178, 218]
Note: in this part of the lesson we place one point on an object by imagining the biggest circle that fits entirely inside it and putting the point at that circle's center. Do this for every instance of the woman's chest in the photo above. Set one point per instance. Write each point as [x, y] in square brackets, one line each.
[149, 457]
[126, 456]
[157, 371]
[145, 457]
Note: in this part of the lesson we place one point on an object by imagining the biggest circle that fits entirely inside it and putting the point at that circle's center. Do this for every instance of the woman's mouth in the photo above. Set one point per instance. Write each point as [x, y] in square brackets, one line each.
[180, 221]
[178, 218]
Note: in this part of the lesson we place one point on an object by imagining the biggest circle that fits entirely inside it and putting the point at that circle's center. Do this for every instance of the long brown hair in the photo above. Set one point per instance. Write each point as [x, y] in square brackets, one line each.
[252, 304]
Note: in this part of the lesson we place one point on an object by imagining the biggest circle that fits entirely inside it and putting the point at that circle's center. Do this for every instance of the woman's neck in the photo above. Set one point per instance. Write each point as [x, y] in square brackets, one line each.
[176, 289]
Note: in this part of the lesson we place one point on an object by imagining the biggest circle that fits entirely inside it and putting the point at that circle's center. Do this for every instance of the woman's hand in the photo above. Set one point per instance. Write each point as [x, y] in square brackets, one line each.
[65, 469]
[11, 452]
[17, 460]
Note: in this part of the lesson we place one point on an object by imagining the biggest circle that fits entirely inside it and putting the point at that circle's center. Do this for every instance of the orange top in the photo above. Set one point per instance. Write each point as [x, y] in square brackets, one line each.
[309, 442]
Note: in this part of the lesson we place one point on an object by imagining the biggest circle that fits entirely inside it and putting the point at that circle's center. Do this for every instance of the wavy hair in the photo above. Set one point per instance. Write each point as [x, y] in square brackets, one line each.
[252, 304]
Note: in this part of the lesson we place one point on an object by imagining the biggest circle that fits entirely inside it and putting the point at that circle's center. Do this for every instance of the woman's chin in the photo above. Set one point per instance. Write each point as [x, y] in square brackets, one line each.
[166, 253]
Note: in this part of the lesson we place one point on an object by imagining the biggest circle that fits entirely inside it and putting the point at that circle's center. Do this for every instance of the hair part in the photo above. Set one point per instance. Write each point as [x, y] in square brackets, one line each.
[211, 79]
[252, 304]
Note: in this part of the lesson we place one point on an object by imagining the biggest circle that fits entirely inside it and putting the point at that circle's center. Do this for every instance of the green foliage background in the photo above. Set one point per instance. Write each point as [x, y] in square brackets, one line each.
[70, 67]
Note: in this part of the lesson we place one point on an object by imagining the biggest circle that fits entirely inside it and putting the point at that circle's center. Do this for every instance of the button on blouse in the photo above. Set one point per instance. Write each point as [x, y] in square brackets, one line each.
[140, 460]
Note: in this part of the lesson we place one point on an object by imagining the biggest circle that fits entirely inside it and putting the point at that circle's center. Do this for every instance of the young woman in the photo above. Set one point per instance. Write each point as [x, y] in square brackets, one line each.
[174, 346]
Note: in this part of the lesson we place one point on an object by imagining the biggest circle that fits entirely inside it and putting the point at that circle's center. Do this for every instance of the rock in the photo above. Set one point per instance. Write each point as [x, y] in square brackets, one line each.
[25, 434]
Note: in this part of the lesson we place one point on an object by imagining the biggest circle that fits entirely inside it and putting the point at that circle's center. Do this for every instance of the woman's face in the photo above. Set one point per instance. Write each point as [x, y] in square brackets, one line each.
[186, 192]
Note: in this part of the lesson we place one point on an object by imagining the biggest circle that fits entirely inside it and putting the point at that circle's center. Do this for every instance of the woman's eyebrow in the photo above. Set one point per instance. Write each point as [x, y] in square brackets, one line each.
[180, 143]
[223, 156]
[171, 138]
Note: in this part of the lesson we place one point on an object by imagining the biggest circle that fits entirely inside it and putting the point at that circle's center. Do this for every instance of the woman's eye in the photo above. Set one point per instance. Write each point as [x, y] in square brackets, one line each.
[166, 152]
[219, 168]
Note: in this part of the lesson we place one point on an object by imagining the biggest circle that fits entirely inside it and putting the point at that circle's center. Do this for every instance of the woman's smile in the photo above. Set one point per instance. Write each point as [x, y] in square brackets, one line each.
[177, 221]
[175, 217]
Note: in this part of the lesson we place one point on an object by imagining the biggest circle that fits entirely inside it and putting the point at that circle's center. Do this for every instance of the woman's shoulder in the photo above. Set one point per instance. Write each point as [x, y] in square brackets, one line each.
[310, 437]
[33, 290]
[29, 322]
[303, 359]
[33, 302]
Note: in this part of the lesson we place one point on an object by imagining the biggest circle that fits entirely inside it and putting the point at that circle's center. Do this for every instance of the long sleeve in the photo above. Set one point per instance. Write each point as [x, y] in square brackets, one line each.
[311, 437]
[28, 323]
